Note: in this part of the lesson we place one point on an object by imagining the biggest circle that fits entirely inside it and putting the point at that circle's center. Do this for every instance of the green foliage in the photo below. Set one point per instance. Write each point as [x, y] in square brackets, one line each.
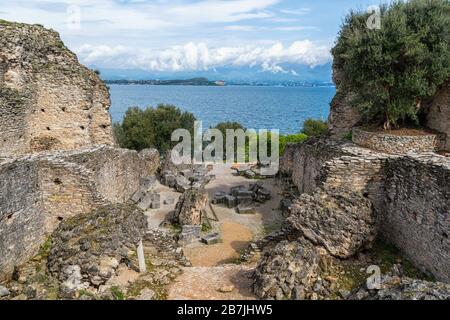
[44, 249]
[314, 127]
[152, 127]
[394, 69]
[291, 138]
[206, 228]
[223, 126]
[117, 293]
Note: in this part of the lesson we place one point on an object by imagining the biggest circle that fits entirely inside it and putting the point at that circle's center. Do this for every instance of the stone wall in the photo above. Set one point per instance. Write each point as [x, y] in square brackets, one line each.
[417, 211]
[48, 101]
[398, 144]
[438, 116]
[21, 213]
[37, 192]
[410, 194]
[304, 162]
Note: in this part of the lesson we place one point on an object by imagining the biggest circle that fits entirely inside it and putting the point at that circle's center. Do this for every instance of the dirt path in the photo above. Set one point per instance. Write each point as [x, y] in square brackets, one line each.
[206, 283]
[235, 238]
[213, 271]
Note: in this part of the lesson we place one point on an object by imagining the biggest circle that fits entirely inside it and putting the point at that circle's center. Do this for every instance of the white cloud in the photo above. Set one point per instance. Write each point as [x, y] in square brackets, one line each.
[296, 12]
[136, 14]
[198, 56]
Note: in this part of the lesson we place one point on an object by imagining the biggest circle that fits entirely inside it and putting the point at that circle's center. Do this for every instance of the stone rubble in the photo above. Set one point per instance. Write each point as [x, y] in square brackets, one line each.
[190, 234]
[211, 239]
[87, 250]
[243, 198]
[289, 271]
[402, 288]
[343, 223]
[190, 207]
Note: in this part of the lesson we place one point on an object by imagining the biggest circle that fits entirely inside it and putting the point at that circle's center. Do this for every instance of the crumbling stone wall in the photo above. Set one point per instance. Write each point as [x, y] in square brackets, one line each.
[21, 214]
[48, 101]
[304, 162]
[410, 194]
[37, 192]
[417, 211]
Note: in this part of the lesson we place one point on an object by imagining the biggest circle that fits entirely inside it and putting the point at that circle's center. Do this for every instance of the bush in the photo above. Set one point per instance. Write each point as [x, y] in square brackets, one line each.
[292, 138]
[223, 126]
[152, 127]
[394, 69]
[314, 128]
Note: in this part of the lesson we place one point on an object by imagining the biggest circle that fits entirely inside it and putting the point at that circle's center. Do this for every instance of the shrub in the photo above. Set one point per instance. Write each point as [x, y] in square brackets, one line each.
[394, 69]
[314, 128]
[152, 127]
[291, 138]
[223, 126]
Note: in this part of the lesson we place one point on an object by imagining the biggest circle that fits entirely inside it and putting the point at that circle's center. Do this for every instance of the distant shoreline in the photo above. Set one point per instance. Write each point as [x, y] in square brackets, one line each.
[208, 83]
[177, 82]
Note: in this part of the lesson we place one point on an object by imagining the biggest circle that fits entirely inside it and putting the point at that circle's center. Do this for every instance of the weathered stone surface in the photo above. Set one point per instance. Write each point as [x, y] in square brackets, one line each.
[416, 211]
[146, 295]
[343, 223]
[409, 194]
[37, 192]
[48, 100]
[396, 144]
[93, 244]
[288, 271]
[438, 113]
[188, 210]
[398, 288]
[190, 234]
[245, 209]
[343, 116]
[4, 292]
[211, 239]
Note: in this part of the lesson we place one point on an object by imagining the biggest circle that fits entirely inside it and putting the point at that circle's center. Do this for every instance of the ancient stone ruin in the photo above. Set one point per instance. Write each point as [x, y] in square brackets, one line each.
[48, 101]
[66, 212]
[376, 186]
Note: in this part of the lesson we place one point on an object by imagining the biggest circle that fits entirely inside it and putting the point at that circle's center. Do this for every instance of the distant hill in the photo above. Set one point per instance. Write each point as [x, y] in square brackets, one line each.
[179, 82]
[294, 74]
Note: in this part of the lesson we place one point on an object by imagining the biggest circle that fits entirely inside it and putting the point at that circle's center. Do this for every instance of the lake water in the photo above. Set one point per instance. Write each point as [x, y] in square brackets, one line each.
[283, 108]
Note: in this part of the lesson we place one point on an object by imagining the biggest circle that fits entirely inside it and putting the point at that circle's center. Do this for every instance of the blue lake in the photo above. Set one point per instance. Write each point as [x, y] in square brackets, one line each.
[283, 108]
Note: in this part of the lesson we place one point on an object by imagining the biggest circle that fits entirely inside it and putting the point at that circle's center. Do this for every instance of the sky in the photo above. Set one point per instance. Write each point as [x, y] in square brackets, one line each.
[192, 35]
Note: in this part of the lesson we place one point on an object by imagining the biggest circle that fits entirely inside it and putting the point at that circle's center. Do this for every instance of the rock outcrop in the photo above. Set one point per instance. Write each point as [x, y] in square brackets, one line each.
[48, 100]
[288, 271]
[190, 207]
[343, 223]
[87, 249]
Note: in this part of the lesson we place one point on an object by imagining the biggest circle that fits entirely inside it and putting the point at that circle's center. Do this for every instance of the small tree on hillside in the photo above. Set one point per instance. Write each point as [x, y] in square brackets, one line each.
[392, 70]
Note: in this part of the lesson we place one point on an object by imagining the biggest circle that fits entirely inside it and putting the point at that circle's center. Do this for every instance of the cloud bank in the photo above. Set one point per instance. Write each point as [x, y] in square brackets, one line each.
[199, 57]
